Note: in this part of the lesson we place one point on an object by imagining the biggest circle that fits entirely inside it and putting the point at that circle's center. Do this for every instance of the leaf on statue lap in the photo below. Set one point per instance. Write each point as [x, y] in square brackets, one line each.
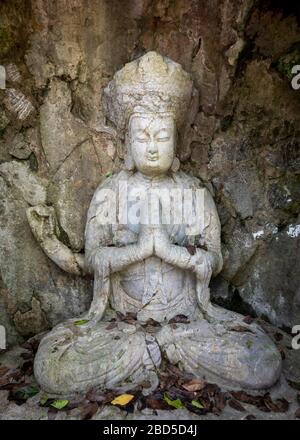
[191, 249]
[179, 319]
[152, 322]
[59, 404]
[111, 326]
[130, 317]
[81, 322]
[176, 403]
[241, 329]
[248, 319]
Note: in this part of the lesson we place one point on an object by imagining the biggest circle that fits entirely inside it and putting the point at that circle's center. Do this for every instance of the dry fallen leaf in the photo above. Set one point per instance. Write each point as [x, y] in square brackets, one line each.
[122, 400]
[194, 385]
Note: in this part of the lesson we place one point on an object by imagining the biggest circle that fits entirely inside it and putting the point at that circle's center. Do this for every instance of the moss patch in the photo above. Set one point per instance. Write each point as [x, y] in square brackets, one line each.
[285, 63]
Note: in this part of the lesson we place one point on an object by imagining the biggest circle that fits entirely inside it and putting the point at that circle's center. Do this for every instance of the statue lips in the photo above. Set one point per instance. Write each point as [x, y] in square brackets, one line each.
[152, 158]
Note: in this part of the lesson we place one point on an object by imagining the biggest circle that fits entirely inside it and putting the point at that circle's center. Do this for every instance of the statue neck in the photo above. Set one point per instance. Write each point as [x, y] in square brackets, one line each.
[149, 179]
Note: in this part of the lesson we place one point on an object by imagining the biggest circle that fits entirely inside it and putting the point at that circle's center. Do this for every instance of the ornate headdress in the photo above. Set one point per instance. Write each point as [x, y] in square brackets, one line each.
[152, 83]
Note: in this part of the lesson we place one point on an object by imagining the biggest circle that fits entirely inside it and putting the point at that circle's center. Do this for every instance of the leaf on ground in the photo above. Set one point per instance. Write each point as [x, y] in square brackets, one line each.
[60, 403]
[176, 403]
[297, 413]
[44, 399]
[31, 345]
[100, 396]
[197, 404]
[250, 417]
[27, 355]
[155, 401]
[220, 402]
[3, 370]
[27, 367]
[81, 322]
[167, 380]
[20, 395]
[236, 405]
[278, 405]
[122, 400]
[88, 411]
[244, 397]
[194, 385]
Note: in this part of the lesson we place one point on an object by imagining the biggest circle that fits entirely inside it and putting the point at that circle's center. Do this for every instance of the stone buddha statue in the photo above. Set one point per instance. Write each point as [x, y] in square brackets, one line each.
[153, 244]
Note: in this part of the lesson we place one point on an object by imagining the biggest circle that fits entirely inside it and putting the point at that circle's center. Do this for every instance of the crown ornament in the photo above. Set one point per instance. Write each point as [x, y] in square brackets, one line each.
[150, 84]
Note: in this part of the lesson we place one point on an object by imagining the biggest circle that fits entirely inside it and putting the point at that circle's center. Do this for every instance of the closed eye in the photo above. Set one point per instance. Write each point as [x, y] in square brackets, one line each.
[163, 138]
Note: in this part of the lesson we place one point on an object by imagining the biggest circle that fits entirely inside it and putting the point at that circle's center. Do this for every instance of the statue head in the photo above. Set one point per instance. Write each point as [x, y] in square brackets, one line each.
[149, 102]
[151, 142]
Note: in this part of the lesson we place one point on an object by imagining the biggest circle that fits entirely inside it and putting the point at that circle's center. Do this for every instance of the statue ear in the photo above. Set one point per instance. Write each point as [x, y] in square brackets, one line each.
[175, 165]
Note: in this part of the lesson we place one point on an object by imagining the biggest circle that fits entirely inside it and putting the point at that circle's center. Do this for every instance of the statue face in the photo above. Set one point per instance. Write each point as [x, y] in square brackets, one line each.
[152, 142]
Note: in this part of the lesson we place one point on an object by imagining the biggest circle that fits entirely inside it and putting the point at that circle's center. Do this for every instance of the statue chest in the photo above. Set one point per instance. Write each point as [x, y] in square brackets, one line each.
[154, 289]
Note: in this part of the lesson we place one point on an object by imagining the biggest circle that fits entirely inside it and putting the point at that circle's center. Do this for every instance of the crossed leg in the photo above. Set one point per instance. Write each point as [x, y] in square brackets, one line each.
[67, 363]
[244, 357]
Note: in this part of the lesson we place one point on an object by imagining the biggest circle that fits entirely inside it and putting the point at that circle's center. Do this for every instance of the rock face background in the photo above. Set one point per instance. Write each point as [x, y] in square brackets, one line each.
[244, 143]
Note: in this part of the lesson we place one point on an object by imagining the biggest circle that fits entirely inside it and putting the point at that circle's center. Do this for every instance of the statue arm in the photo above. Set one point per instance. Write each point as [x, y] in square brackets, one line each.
[100, 252]
[43, 224]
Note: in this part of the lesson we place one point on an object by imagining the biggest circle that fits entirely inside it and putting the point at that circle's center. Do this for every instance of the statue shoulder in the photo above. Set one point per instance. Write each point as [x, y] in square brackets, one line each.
[112, 181]
[187, 181]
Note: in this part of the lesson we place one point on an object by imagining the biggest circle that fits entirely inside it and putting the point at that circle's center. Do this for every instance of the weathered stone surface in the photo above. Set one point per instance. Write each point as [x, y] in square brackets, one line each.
[36, 293]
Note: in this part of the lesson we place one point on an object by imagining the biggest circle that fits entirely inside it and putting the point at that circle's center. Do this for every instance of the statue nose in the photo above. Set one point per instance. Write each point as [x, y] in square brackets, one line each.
[152, 147]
